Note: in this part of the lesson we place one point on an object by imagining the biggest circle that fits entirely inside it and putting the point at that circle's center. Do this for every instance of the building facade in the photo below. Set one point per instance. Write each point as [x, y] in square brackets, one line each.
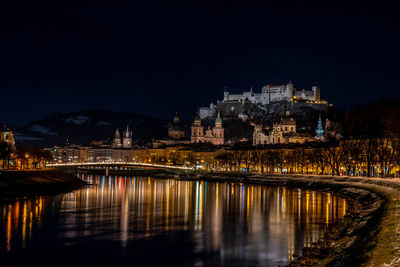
[235, 104]
[7, 136]
[176, 135]
[117, 140]
[213, 135]
[175, 129]
[275, 93]
[127, 138]
[281, 133]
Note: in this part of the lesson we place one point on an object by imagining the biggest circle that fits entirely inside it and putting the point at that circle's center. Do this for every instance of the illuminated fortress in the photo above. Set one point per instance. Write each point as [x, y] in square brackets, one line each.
[234, 104]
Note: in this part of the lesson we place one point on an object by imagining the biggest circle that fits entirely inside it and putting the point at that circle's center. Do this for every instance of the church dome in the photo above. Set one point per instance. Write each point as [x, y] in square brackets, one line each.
[288, 121]
[175, 127]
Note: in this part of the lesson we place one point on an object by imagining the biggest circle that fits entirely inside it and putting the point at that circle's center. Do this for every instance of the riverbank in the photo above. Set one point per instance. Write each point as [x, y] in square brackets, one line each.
[16, 184]
[369, 233]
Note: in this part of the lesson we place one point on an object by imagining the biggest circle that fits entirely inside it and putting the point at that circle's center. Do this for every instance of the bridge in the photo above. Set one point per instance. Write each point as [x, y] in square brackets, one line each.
[116, 164]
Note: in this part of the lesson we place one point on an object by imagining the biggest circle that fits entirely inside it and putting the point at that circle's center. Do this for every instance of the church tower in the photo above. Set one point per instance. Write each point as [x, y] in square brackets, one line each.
[127, 138]
[196, 130]
[117, 140]
[218, 130]
[320, 130]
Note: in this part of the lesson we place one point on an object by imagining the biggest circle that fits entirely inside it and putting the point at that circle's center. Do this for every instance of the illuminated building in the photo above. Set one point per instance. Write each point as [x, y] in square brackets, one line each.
[176, 135]
[213, 135]
[117, 140]
[7, 136]
[175, 129]
[236, 104]
[320, 130]
[281, 133]
[127, 138]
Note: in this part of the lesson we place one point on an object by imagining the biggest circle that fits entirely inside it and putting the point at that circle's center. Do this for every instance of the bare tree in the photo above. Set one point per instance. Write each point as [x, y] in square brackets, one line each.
[332, 158]
[259, 157]
[386, 155]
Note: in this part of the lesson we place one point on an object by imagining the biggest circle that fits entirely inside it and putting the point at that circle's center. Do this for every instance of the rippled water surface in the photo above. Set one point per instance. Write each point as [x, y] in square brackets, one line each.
[150, 222]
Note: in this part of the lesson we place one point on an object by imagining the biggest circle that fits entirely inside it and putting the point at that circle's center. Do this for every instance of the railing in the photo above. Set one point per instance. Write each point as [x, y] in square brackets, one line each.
[117, 164]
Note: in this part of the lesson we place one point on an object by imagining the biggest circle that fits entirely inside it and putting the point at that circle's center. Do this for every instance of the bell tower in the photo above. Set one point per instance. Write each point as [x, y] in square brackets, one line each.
[218, 131]
[117, 140]
[196, 130]
[127, 138]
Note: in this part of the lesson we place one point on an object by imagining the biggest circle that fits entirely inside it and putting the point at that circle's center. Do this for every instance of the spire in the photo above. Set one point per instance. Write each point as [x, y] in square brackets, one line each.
[251, 89]
[127, 133]
[320, 130]
[197, 117]
[218, 119]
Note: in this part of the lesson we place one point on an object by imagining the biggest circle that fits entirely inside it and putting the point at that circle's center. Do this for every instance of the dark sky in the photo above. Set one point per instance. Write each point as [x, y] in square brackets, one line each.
[155, 57]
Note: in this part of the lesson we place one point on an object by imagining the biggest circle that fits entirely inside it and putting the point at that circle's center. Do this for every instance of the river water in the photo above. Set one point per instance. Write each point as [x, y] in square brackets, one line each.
[136, 221]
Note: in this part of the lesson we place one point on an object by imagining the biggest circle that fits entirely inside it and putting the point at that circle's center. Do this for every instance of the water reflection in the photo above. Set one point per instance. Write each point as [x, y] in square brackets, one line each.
[210, 223]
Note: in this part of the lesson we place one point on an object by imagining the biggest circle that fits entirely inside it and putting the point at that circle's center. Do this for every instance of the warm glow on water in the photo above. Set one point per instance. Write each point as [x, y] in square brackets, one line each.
[145, 221]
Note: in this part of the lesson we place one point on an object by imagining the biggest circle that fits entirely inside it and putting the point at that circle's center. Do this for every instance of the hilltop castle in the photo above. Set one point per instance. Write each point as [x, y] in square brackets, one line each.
[235, 104]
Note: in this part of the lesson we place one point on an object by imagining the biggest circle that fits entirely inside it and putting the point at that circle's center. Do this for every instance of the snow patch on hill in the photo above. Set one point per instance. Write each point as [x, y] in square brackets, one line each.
[79, 120]
[22, 137]
[40, 129]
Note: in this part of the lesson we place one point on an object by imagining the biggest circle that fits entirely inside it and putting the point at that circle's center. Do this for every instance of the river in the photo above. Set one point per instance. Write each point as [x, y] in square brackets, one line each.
[154, 222]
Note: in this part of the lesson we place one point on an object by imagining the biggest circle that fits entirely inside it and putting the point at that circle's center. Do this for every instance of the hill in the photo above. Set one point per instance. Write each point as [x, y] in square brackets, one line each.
[86, 126]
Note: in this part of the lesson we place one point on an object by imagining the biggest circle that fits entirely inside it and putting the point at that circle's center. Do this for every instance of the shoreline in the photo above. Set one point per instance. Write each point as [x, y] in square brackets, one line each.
[368, 235]
[23, 184]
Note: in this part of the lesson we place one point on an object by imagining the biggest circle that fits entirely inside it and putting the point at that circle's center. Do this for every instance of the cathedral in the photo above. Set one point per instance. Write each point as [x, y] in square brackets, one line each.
[176, 134]
[213, 135]
[126, 139]
[175, 129]
[281, 133]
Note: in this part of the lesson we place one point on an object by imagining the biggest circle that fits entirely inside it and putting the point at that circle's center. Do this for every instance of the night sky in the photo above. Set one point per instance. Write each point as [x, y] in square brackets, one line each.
[155, 57]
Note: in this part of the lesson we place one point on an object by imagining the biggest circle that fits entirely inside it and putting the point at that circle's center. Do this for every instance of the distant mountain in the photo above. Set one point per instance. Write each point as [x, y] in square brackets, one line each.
[86, 126]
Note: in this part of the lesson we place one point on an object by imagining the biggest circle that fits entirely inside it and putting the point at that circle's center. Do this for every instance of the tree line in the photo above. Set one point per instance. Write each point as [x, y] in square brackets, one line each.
[23, 157]
[362, 157]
